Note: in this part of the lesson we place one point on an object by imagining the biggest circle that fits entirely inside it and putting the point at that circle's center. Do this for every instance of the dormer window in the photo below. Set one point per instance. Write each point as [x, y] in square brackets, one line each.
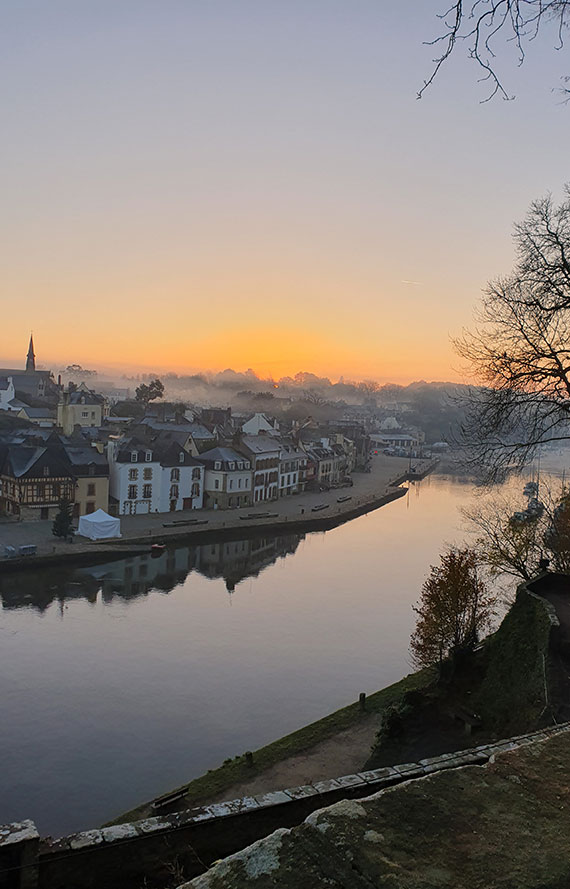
[240, 464]
[246, 464]
[46, 470]
[148, 456]
[217, 465]
[181, 457]
[232, 465]
[133, 456]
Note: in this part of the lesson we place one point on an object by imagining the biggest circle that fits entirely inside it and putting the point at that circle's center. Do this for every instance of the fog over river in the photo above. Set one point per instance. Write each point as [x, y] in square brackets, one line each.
[120, 681]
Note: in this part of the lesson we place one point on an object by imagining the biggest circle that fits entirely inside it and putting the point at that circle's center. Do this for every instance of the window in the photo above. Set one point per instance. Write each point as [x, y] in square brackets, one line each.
[230, 502]
[133, 475]
[174, 475]
[195, 490]
[148, 456]
[91, 490]
[174, 492]
[240, 464]
[217, 465]
[92, 415]
[195, 473]
[231, 484]
[84, 415]
[239, 482]
[232, 465]
[147, 492]
[147, 474]
[181, 457]
[133, 456]
[89, 507]
[217, 484]
[132, 492]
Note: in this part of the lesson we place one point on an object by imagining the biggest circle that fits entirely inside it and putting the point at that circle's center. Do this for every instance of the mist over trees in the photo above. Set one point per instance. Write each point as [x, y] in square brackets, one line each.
[436, 408]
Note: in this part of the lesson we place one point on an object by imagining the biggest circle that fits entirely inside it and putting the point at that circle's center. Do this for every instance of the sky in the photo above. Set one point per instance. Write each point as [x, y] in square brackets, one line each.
[193, 185]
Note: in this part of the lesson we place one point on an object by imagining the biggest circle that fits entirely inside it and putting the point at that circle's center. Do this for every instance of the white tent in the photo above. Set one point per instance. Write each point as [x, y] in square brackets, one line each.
[99, 525]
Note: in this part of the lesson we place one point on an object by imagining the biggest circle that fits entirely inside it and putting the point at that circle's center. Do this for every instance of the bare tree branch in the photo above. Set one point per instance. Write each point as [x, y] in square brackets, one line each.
[479, 25]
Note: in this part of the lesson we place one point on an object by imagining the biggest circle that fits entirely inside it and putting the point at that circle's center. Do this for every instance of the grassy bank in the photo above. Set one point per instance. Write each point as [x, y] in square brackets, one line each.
[235, 771]
[512, 695]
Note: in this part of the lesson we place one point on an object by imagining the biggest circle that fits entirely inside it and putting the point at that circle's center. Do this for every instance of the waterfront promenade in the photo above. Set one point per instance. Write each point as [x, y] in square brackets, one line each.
[369, 490]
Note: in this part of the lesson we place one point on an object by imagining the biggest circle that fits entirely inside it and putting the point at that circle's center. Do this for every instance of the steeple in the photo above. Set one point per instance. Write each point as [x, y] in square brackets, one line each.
[31, 358]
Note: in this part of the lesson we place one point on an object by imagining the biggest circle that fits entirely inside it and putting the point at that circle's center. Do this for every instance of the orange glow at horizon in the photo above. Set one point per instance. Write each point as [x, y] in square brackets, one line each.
[271, 352]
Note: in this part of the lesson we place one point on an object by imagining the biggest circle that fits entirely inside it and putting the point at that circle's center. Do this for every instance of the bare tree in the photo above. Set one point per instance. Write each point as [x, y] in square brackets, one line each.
[519, 351]
[508, 542]
[479, 25]
[512, 539]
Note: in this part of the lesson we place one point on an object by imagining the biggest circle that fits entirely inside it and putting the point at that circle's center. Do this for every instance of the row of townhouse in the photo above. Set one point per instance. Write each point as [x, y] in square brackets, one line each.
[147, 475]
[158, 470]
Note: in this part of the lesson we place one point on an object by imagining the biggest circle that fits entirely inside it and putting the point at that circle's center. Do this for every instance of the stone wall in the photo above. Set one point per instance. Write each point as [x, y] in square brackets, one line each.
[155, 851]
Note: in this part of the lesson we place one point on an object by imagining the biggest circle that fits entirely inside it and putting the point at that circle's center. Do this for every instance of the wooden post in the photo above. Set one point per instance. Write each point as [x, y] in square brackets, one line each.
[249, 759]
[362, 700]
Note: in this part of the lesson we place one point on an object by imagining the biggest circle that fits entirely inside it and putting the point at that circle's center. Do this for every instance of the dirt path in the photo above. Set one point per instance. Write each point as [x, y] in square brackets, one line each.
[343, 754]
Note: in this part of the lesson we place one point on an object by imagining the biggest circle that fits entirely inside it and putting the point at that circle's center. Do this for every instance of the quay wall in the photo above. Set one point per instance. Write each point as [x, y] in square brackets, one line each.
[231, 529]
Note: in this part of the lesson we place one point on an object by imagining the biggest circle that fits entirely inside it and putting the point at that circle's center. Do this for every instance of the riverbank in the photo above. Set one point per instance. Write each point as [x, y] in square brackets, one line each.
[298, 514]
[296, 759]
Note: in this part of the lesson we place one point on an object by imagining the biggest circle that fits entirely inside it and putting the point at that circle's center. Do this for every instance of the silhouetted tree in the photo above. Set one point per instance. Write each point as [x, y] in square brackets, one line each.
[63, 521]
[146, 393]
[454, 608]
[520, 350]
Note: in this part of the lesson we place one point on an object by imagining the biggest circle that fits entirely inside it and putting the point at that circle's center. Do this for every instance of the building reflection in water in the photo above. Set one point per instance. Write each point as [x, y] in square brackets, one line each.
[232, 561]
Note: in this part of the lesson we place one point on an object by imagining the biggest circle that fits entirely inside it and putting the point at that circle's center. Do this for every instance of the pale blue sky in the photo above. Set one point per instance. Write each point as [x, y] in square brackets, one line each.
[187, 184]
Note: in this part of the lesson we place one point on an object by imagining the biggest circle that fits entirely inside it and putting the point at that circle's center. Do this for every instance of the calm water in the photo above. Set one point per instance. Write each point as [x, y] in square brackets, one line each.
[121, 681]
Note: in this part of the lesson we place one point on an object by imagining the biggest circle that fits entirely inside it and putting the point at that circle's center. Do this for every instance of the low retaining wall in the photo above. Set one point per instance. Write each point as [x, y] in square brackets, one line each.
[156, 851]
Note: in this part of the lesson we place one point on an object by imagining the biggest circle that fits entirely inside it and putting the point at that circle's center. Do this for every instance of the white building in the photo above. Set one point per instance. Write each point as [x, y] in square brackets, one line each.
[260, 423]
[292, 466]
[227, 480]
[7, 394]
[143, 480]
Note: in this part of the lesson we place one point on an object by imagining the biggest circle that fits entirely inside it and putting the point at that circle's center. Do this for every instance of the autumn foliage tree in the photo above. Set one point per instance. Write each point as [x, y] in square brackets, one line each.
[454, 608]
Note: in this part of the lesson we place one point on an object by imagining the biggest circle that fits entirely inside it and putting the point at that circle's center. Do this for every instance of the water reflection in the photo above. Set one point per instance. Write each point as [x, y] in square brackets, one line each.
[233, 561]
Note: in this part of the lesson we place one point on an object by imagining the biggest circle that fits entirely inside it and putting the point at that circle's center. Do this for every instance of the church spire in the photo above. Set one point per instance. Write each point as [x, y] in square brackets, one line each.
[31, 358]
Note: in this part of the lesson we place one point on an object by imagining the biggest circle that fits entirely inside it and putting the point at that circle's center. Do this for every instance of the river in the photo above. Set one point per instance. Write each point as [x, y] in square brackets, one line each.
[121, 681]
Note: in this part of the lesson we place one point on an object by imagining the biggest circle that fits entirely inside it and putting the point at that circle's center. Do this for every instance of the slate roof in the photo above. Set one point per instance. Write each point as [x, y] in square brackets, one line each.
[82, 458]
[260, 444]
[83, 397]
[196, 430]
[165, 454]
[19, 461]
[39, 412]
[222, 455]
